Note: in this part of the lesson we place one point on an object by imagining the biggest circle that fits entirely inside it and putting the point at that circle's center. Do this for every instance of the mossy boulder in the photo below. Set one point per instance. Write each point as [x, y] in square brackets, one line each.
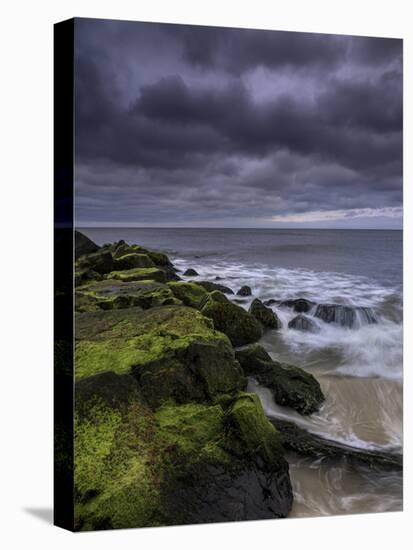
[239, 325]
[114, 294]
[137, 468]
[139, 274]
[290, 385]
[101, 262]
[172, 351]
[210, 287]
[83, 245]
[132, 260]
[189, 294]
[265, 315]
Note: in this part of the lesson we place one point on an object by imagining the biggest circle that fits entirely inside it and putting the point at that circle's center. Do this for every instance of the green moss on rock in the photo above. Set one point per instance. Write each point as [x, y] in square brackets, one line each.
[173, 351]
[240, 327]
[139, 274]
[132, 261]
[190, 294]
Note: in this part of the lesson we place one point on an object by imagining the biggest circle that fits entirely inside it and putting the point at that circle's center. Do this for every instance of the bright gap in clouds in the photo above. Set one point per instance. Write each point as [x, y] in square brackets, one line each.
[336, 215]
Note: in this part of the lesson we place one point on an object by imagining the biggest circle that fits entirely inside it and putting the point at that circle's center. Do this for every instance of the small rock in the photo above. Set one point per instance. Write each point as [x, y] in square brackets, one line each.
[244, 291]
[191, 273]
[302, 322]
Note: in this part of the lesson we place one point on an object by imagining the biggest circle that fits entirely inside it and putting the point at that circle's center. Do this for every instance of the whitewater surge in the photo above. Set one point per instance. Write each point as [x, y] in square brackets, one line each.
[359, 368]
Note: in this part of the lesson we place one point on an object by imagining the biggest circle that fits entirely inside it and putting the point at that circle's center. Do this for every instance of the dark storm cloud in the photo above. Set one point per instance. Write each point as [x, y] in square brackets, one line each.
[197, 125]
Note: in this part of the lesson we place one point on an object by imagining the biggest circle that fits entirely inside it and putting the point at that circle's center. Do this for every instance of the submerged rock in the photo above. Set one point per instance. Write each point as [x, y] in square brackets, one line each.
[300, 441]
[190, 273]
[302, 322]
[291, 386]
[210, 287]
[244, 291]
[239, 325]
[172, 351]
[300, 305]
[346, 316]
[83, 245]
[264, 315]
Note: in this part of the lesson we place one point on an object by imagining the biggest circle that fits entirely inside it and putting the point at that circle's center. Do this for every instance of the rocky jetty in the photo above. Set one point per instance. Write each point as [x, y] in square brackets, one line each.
[165, 432]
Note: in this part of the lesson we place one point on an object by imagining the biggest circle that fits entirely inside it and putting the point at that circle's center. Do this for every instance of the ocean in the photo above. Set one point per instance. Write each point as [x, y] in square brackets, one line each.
[360, 369]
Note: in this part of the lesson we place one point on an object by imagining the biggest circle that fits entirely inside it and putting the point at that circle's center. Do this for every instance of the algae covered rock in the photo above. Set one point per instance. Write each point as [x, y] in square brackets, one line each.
[83, 245]
[139, 274]
[181, 464]
[100, 262]
[172, 351]
[115, 294]
[290, 385]
[239, 325]
[264, 315]
[190, 294]
[132, 260]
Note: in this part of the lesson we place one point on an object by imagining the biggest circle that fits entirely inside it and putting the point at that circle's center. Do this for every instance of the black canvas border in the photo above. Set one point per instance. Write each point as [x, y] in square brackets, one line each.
[63, 273]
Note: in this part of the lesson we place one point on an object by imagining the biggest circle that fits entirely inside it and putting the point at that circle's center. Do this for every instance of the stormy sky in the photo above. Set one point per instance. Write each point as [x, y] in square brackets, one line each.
[180, 125]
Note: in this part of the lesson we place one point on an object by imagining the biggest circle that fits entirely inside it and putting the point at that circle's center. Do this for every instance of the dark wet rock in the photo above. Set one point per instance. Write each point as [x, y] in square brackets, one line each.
[302, 322]
[239, 325]
[190, 273]
[244, 291]
[210, 287]
[264, 315]
[100, 262]
[300, 441]
[300, 305]
[114, 390]
[83, 245]
[346, 316]
[291, 386]
[271, 302]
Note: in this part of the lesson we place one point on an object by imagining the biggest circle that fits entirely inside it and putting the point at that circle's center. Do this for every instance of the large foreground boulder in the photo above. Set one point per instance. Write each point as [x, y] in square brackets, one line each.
[182, 464]
[239, 325]
[100, 262]
[173, 352]
[265, 315]
[290, 385]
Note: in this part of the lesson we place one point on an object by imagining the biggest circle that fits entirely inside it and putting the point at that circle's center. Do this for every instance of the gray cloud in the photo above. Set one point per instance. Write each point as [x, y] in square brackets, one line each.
[199, 125]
